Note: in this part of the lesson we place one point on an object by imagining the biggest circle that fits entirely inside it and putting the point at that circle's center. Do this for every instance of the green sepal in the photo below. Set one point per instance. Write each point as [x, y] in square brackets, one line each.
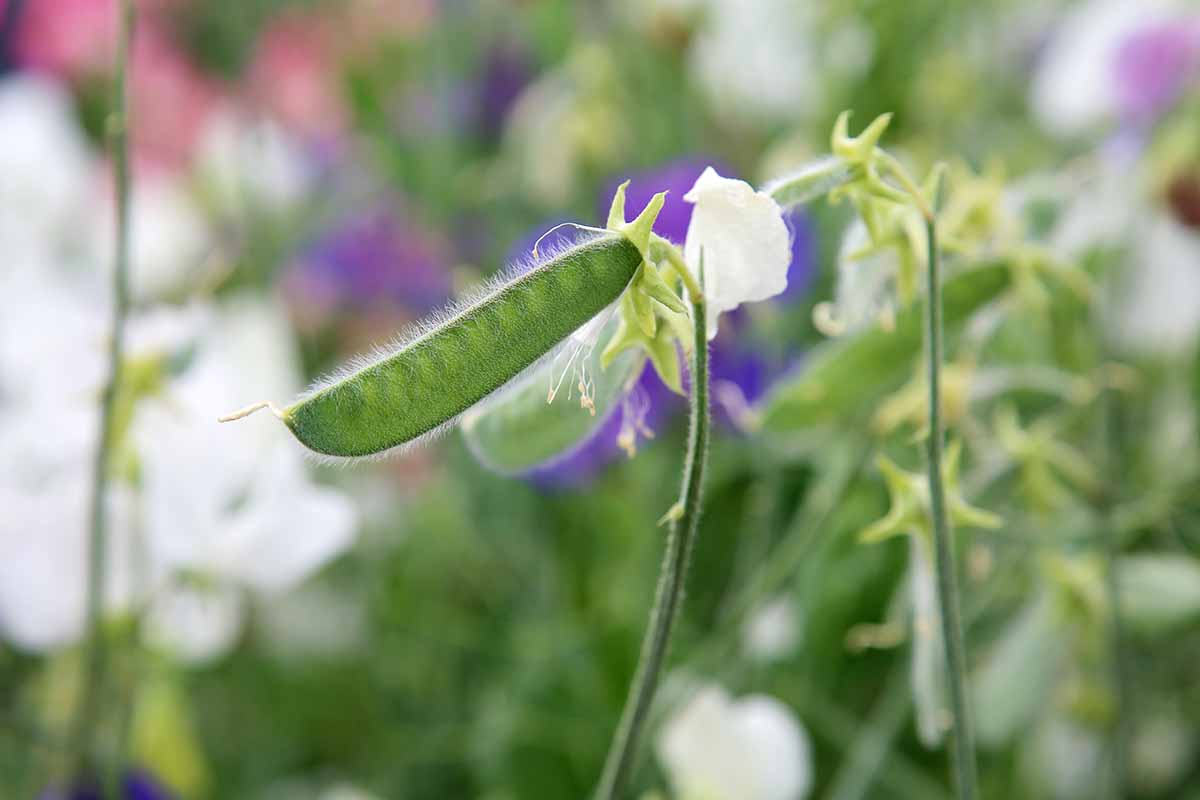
[639, 304]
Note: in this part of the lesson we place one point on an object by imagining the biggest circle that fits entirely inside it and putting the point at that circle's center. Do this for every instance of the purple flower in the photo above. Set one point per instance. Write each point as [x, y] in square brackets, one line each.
[136, 784]
[370, 259]
[504, 75]
[1154, 66]
[676, 178]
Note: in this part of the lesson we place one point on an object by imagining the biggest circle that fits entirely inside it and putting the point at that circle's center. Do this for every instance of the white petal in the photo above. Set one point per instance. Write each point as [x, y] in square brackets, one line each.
[290, 528]
[928, 675]
[745, 242]
[750, 749]
[43, 561]
[247, 160]
[772, 631]
[1156, 310]
[45, 166]
[195, 623]
[1073, 88]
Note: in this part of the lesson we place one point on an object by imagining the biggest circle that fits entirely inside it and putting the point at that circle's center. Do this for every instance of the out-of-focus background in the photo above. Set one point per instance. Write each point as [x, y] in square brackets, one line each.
[310, 177]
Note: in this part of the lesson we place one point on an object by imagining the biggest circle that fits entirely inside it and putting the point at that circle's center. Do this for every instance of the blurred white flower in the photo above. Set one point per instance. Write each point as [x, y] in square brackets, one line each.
[196, 621]
[717, 748]
[43, 560]
[45, 169]
[1074, 88]
[233, 506]
[756, 59]
[250, 163]
[1155, 310]
[1017, 673]
[772, 631]
[1066, 758]
[928, 671]
[866, 285]
[169, 238]
[314, 620]
[746, 244]
[346, 791]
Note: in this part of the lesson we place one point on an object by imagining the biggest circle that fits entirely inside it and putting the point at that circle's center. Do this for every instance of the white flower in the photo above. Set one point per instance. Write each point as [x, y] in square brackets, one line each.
[772, 631]
[1156, 310]
[169, 239]
[756, 58]
[43, 561]
[746, 245]
[1073, 89]
[250, 162]
[928, 673]
[716, 748]
[345, 791]
[234, 506]
[45, 169]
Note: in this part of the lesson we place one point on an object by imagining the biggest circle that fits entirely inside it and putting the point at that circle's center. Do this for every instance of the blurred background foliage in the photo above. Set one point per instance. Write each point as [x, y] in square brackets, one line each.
[477, 636]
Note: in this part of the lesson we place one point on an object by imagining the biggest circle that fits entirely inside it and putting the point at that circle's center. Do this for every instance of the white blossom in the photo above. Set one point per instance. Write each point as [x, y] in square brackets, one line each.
[718, 748]
[45, 170]
[757, 58]
[772, 630]
[745, 241]
[232, 506]
[1156, 310]
[1073, 88]
[250, 163]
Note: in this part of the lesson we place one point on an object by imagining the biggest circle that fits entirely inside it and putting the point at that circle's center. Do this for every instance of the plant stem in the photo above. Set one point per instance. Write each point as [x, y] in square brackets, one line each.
[668, 598]
[1121, 686]
[947, 578]
[94, 655]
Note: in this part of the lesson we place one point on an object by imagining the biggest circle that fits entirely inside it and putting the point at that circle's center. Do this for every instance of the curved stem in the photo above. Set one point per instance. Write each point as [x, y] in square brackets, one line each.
[94, 656]
[947, 577]
[668, 598]
[672, 254]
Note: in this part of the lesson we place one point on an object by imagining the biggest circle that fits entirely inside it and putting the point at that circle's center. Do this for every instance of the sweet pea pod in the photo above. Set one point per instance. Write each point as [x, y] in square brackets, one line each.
[422, 383]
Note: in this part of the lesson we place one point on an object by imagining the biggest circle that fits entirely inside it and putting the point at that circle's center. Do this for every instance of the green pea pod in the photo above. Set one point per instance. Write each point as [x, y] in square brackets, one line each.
[422, 383]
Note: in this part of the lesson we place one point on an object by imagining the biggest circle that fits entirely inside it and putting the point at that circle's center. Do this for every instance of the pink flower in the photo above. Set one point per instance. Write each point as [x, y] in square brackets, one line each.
[294, 74]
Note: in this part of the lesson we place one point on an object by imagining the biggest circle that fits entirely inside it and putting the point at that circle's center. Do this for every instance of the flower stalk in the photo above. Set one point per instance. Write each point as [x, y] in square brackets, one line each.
[94, 656]
[683, 520]
[965, 778]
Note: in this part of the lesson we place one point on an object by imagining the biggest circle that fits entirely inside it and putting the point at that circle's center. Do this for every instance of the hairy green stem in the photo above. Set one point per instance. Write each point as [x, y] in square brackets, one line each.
[94, 655]
[947, 575]
[668, 598]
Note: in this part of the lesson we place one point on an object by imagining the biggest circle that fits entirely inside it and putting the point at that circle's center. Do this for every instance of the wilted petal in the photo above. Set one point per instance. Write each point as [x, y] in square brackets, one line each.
[745, 242]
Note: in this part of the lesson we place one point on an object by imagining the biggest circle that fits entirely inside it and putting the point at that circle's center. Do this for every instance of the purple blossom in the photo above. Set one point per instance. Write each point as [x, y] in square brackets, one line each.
[504, 75]
[370, 259]
[1153, 68]
[136, 784]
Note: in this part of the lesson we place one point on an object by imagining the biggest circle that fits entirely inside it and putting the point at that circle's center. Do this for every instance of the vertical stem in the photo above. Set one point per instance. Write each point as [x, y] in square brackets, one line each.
[1110, 430]
[668, 598]
[94, 656]
[947, 577]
